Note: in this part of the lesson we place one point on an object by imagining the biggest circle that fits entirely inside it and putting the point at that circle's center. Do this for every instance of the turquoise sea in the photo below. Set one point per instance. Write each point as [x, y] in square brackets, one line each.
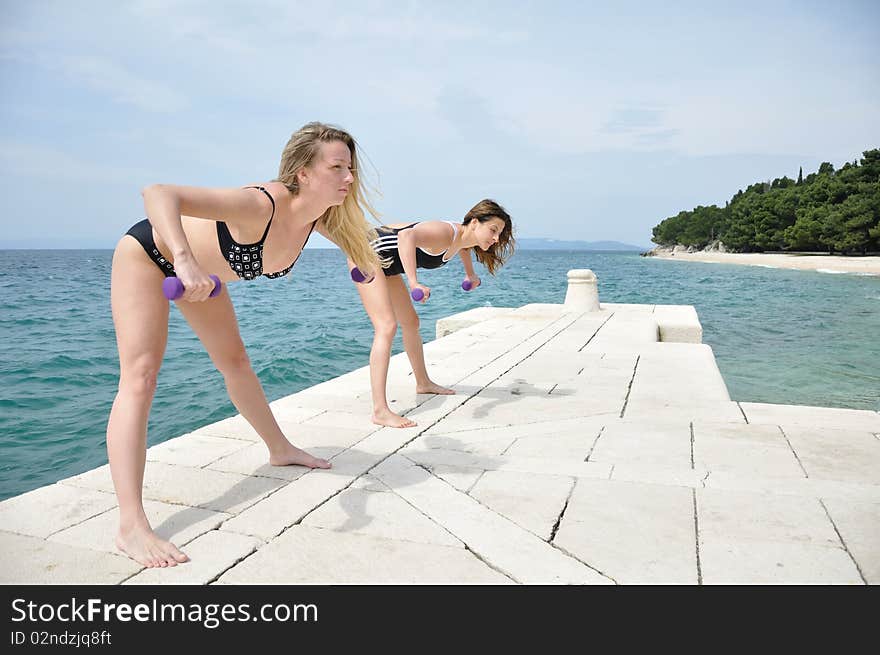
[779, 336]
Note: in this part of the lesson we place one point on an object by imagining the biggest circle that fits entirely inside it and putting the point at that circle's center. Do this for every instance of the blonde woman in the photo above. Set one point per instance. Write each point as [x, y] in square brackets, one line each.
[191, 232]
[486, 229]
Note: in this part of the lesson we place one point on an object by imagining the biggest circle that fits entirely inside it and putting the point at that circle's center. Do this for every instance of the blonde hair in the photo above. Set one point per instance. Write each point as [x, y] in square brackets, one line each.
[346, 223]
[500, 252]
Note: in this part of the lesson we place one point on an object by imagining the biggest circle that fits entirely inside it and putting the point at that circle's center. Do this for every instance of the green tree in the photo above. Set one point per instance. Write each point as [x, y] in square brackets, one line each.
[837, 211]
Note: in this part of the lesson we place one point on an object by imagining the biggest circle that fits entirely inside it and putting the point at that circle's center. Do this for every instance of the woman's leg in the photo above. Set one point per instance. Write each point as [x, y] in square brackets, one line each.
[140, 315]
[377, 303]
[406, 315]
[215, 324]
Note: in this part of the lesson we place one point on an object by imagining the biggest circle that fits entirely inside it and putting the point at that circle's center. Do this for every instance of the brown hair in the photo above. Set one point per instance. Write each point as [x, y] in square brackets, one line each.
[500, 252]
[346, 223]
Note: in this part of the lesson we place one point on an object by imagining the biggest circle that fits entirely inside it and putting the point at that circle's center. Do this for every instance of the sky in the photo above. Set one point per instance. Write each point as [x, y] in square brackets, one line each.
[585, 120]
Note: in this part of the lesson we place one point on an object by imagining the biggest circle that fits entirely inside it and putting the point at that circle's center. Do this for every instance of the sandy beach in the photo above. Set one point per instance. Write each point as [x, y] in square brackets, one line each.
[807, 262]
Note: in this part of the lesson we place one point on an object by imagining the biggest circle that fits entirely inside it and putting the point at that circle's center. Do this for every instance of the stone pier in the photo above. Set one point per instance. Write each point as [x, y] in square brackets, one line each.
[588, 443]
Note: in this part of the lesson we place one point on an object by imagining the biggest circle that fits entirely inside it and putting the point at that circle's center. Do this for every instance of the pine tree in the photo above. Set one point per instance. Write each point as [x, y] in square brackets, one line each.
[800, 176]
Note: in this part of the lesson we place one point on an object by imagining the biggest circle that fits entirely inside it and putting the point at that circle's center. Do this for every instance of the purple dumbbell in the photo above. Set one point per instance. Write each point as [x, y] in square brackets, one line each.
[172, 287]
[467, 285]
[417, 294]
[359, 277]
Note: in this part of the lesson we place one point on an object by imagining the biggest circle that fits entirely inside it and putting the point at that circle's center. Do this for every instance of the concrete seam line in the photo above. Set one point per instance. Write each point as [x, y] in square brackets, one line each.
[593, 336]
[479, 477]
[595, 441]
[697, 538]
[742, 411]
[842, 542]
[806, 475]
[489, 564]
[235, 563]
[555, 527]
[629, 386]
[568, 553]
[692, 445]
[509, 446]
[73, 525]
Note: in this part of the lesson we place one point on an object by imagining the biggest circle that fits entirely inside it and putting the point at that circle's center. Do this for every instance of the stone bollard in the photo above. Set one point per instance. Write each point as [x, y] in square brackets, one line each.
[583, 291]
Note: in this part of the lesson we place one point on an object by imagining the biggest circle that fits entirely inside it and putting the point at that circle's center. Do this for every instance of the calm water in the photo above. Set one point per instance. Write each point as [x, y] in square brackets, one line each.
[779, 336]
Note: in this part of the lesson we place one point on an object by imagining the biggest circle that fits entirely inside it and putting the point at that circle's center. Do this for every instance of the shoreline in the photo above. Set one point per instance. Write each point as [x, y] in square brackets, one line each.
[821, 263]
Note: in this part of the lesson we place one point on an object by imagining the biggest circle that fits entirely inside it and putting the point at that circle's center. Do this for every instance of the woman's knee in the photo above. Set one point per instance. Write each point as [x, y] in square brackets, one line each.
[385, 329]
[409, 321]
[139, 378]
[233, 361]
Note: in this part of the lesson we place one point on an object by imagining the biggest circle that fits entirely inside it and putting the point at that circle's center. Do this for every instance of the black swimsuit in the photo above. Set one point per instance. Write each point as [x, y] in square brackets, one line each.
[245, 259]
[386, 247]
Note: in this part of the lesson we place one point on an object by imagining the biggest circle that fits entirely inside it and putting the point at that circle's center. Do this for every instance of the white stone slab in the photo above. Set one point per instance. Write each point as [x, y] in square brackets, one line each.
[308, 555]
[846, 455]
[53, 508]
[462, 479]
[210, 555]
[455, 322]
[353, 463]
[536, 426]
[746, 458]
[859, 527]
[728, 562]
[564, 446]
[629, 443]
[757, 434]
[184, 485]
[678, 372]
[740, 516]
[678, 323]
[480, 447]
[507, 547]
[384, 515]
[633, 533]
[38, 562]
[253, 460]
[330, 396]
[286, 409]
[341, 419]
[832, 417]
[532, 501]
[545, 465]
[193, 450]
[234, 427]
[651, 474]
[680, 410]
[791, 486]
[370, 484]
[178, 524]
[271, 516]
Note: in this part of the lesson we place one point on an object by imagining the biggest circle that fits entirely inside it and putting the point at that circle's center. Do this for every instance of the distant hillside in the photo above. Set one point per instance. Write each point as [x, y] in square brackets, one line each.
[558, 244]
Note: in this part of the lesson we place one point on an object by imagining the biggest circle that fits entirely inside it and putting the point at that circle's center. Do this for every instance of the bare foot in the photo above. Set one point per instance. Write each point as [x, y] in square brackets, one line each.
[388, 418]
[294, 455]
[146, 548]
[431, 387]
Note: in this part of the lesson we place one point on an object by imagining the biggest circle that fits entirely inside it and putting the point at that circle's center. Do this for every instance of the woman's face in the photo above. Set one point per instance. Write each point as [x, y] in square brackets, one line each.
[329, 177]
[488, 232]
